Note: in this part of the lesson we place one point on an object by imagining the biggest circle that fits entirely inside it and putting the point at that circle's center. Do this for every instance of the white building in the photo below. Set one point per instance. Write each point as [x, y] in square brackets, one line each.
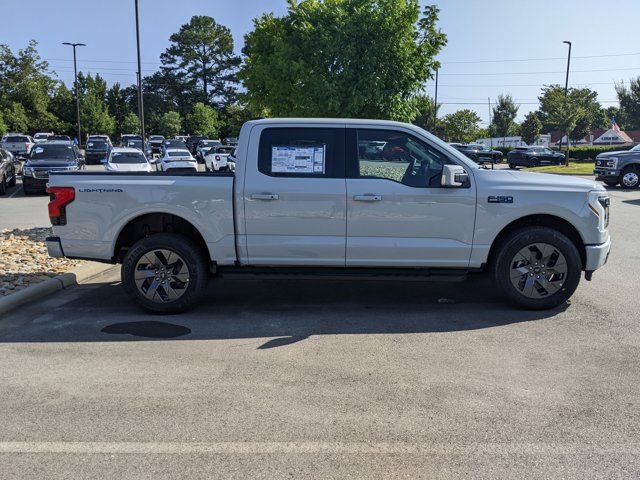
[544, 140]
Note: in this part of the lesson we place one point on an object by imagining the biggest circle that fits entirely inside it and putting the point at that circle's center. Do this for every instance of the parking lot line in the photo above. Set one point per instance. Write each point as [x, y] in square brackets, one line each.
[14, 193]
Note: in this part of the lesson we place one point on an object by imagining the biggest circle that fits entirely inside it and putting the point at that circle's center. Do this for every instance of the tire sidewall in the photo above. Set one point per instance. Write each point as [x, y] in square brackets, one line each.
[527, 236]
[624, 172]
[181, 245]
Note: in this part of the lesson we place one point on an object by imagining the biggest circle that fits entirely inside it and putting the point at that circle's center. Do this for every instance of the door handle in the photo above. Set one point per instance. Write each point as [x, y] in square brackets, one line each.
[367, 198]
[264, 196]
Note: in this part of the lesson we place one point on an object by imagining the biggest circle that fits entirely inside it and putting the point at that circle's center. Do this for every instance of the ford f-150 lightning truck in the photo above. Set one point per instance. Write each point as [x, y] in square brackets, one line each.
[305, 200]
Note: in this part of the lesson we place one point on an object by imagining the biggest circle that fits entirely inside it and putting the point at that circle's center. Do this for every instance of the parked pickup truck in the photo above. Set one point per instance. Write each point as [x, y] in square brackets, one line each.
[19, 145]
[303, 200]
[621, 167]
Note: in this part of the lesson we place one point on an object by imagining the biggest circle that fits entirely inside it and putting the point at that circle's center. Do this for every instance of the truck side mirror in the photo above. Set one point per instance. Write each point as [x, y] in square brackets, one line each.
[454, 176]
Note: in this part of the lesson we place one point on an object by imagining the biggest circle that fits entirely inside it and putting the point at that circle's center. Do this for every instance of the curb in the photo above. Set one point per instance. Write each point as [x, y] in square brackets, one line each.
[59, 282]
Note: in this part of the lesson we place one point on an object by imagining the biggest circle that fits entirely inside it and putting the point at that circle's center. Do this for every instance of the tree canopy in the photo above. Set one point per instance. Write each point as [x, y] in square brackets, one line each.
[531, 128]
[342, 58]
[461, 126]
[504, 116]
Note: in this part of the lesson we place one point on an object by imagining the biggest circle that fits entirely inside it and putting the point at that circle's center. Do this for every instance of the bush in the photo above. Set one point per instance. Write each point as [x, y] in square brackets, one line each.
[580, 154]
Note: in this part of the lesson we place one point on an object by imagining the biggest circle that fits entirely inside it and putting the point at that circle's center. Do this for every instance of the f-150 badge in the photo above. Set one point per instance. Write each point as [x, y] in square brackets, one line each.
[500, 199]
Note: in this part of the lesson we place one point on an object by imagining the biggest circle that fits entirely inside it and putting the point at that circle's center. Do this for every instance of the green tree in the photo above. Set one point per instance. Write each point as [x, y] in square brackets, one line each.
[565, 116]
[342, 58]
[169, 124]
[504, 116]
[202, 52]
[131, 124]
[461, 126]
[583, 100]
[629, 98]
[531, 127]
[203, 120]
[117, 105]
[16, 118]
[24, 79]
[3, 126]
[234, 116]
[95, 117]
[427, 111]
[63, 106]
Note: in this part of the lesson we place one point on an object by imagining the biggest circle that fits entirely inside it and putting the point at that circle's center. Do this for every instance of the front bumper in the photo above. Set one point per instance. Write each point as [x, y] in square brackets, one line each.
[605, 174]
[597, 256]
[54, 247]
[32, 183]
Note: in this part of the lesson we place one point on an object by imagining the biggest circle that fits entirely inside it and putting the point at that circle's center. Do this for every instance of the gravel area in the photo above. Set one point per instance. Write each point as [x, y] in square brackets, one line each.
[24, 260]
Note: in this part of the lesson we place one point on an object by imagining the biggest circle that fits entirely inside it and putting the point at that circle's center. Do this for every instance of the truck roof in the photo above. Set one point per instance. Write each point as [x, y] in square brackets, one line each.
[329, 121]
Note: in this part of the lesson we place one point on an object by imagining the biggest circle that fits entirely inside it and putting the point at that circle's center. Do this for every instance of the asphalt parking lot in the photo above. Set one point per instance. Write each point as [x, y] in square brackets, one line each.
[274, 379]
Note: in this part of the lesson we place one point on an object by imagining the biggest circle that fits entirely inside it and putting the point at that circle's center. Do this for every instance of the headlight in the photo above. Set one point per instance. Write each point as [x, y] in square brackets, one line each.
[611, 162]
[599, 206]
[27, 171]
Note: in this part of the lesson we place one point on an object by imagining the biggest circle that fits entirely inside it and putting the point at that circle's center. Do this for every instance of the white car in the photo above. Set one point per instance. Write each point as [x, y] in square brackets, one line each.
[42, 136]
[122, 159]
[204, 146]
[177, 159]
[217, 159]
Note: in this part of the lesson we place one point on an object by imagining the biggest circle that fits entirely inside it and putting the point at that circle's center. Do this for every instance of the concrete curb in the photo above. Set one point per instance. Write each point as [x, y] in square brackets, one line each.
[64, 280]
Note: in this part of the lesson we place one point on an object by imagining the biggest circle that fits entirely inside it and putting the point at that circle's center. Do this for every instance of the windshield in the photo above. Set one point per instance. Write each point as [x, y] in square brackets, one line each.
[179, 153]
[98, 144]
[17, 139]
[128, 158]
[48, 152]
[208, 143]
[60, 137]
[154, 138]
[135, 143]
[41, 135]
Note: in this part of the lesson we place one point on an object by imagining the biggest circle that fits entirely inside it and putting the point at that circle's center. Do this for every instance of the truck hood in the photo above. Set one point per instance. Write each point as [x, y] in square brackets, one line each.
[53, 163]
[617, 153]
[514, 180]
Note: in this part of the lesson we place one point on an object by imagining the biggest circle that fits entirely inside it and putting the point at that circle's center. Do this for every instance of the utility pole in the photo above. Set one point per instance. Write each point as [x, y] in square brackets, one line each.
[490, 137]
[140, 99]
[566, 94]
[75, 83]
[435, 106]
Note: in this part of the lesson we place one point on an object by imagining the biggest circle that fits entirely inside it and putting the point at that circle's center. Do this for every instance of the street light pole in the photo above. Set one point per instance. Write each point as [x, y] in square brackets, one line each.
[566, 91]
[140, 99]
[75, 83]
[435, 106]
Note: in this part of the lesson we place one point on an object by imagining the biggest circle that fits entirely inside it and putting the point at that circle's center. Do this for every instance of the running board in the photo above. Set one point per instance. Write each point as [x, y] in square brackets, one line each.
[338, 273]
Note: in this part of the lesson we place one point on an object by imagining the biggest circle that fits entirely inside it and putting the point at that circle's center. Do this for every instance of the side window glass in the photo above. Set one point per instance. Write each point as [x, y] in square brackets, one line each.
[302, 152]
[399, 157]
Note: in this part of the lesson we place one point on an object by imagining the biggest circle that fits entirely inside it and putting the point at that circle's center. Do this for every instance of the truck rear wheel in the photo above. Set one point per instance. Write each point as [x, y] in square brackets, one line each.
[537, 268]
[165, 273]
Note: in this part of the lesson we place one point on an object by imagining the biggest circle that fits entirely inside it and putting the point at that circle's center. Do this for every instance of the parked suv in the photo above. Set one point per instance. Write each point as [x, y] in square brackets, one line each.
[621, 167]
[479, 153]
[97, 150]
[48, 157]
[533, 157]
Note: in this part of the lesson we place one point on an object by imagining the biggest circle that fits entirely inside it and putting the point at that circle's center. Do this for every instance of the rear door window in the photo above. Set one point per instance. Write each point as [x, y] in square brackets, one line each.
[302, 152]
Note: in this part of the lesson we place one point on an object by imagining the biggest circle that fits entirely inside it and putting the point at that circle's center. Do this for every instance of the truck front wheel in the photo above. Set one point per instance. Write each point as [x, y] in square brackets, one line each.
[537, 268]
[165, 273]
[630, 177]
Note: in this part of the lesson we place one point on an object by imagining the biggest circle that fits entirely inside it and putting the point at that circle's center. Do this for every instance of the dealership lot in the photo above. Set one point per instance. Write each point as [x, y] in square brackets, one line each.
[370, 379]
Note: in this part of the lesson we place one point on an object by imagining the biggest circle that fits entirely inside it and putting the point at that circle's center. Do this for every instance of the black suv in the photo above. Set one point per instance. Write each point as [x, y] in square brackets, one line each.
[479, 153]
[47, 157]
[96, 150]
[533, 156]
[192, 143]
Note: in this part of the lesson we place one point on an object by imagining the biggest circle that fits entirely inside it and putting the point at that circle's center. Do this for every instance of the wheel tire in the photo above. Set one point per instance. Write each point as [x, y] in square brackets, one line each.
[512, 244]
[12, 182]
[629, 178]
[193, 258]
[533, 162]
[3, 186]
[610, 183]
[512, 166]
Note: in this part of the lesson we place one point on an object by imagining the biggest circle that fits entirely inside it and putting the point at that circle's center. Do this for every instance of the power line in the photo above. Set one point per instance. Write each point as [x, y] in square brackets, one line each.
[538, 59]
[541, 73]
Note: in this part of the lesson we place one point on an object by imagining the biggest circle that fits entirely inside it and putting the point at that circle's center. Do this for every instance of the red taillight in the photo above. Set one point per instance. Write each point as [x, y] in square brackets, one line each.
[59, 198]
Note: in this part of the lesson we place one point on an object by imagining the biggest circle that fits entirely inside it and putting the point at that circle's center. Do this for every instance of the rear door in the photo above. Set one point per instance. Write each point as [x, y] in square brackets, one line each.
[295, 195]
[398, 214]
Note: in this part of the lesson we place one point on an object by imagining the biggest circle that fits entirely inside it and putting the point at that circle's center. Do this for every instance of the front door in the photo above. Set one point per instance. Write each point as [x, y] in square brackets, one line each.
[295, 197]
[398, 214]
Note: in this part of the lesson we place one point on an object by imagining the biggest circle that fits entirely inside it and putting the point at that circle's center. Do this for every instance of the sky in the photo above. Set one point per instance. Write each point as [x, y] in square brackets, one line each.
[494, 46]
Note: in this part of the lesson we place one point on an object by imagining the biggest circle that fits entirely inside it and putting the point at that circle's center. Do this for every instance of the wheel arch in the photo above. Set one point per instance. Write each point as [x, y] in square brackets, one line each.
[148, 224]
[540, 220]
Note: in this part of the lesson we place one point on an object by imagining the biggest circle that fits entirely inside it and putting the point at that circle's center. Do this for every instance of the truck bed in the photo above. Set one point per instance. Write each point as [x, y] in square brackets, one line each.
[105, 202]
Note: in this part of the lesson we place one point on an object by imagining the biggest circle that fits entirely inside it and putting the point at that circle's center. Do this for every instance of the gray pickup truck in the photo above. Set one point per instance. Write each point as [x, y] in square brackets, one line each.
[619, 167]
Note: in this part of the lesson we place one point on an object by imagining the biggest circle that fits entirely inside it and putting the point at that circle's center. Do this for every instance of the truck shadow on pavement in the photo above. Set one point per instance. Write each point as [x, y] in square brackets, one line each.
[278, 313]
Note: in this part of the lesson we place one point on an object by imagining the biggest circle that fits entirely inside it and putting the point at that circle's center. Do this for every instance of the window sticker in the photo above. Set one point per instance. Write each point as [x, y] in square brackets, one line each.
[290, 159]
